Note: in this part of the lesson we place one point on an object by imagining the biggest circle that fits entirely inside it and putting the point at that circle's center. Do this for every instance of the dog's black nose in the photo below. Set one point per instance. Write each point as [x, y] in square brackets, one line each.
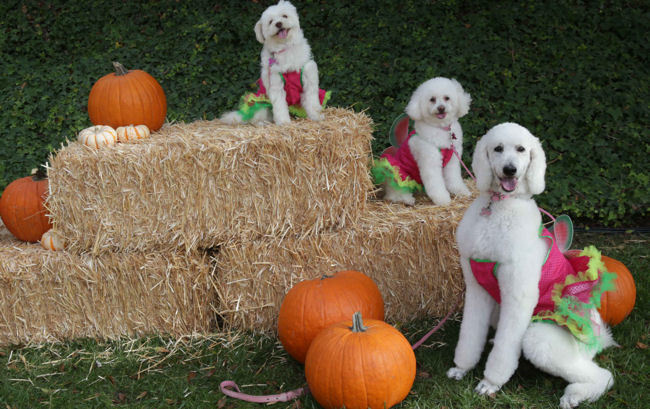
[278, 24]
[441, 109]
[509, 170]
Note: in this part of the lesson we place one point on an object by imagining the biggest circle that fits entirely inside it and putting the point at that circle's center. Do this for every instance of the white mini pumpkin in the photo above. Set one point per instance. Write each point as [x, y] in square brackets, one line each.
[98, 136]
[132, 132]
[52, 241]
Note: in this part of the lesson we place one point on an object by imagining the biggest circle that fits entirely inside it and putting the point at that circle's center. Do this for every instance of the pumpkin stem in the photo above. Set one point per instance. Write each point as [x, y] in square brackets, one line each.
[119, 69]
[40, 174]
[357, 323]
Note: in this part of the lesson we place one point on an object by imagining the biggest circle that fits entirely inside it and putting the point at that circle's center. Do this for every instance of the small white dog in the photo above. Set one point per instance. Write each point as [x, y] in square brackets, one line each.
[503, 225]
[289, 74]
[426, 159]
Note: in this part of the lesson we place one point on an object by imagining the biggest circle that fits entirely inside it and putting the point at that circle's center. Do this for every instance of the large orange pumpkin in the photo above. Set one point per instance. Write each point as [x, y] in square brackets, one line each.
[312, 305]
[124, 98]
[356, 366]
[21, 207]
[616, 305]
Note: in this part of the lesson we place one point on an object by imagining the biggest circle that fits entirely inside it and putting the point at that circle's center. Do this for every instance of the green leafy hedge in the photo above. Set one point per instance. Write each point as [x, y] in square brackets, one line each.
[573, 72]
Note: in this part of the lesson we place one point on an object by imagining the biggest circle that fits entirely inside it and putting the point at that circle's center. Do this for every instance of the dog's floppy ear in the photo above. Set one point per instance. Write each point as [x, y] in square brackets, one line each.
[481, 165]
[413, 108]
[258, 31]
[536, 168]
[464, 99]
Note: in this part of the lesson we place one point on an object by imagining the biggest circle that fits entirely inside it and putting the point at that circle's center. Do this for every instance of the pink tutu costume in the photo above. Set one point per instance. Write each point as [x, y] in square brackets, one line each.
[570, 288]
[401, 170]
[293, 87]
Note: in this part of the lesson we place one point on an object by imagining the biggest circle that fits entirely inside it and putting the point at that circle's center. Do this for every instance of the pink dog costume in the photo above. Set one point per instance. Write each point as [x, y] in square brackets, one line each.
[253, 102]
[570, 288]
[399, 168]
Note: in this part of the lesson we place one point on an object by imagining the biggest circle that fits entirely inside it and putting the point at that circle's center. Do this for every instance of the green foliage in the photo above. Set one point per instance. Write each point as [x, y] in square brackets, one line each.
[574, 73]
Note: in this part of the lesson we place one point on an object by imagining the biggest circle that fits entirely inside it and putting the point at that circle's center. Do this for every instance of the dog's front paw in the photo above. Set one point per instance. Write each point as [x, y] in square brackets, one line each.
[456, 373]
[316, 116]
[441, 200]
[486, 387]
[282, 120]
[463, 192]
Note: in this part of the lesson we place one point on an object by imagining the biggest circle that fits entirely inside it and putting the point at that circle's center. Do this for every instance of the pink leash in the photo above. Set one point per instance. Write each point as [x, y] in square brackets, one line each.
[281, 397]
[231, 389]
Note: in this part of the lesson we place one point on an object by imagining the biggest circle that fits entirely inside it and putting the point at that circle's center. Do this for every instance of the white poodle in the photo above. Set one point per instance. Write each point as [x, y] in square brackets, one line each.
[289, 74]
[426, 161]
[503, 226]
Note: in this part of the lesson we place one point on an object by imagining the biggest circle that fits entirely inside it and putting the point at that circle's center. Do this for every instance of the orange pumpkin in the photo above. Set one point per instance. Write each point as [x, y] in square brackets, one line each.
[359, 366]
[312, 305]
[22, 209]
[127, 97]
[616, 305]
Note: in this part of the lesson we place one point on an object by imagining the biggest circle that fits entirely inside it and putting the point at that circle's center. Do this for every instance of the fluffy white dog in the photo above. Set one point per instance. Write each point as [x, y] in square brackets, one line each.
[289, 74]
[435, 107]
[502, 225]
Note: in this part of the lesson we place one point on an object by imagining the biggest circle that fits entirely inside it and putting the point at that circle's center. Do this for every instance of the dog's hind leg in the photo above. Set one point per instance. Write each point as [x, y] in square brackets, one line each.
[396, 196]
[309, 98]
[261, 117]
[555, 350]
[231, 118]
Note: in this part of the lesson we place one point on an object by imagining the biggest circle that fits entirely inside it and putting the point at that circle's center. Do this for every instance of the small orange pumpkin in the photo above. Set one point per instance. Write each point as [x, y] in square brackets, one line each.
[127, 97]
[616, 305]
[356, 366]
[312, 305]
[22, 209]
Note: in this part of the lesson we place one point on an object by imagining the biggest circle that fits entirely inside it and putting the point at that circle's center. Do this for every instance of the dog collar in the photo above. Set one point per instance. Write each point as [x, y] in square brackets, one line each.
[494, 197]
[272, 59]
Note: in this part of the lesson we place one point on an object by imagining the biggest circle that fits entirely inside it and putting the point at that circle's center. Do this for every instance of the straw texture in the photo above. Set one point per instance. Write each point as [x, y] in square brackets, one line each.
[205, 183]
[410, 252]
[50, 296]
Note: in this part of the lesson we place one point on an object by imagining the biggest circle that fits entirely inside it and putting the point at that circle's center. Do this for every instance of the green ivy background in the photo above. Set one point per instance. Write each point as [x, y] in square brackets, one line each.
[574, 72]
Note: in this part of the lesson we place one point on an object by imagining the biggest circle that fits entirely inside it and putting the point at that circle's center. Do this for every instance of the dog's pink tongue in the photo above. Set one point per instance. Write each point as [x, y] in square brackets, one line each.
[509, 184]
[282, 33]
[441, 116]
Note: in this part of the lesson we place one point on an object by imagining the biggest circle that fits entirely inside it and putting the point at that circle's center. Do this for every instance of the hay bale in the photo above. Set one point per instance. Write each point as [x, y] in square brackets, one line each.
[201, 184]
[50, 296]
[410, 252]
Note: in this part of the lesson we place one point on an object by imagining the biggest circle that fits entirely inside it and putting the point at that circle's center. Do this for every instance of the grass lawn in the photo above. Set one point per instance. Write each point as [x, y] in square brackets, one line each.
[163, 373]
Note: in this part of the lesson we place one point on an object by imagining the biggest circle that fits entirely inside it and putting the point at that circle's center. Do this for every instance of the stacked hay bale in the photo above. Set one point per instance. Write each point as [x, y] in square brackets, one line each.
[410, 252]
[199, 185]
[207, 222]
[48, 296]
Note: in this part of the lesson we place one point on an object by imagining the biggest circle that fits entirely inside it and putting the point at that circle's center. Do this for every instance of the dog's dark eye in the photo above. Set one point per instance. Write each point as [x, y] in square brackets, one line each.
[270, 22]
[521, 149]
[446, 98]
[433, 99]
[284, 15]
[498, 149]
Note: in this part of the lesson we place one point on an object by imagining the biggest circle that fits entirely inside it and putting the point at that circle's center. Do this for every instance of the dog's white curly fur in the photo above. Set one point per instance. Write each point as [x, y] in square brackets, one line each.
[278, 29]
[436, 104]
[511, 161]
